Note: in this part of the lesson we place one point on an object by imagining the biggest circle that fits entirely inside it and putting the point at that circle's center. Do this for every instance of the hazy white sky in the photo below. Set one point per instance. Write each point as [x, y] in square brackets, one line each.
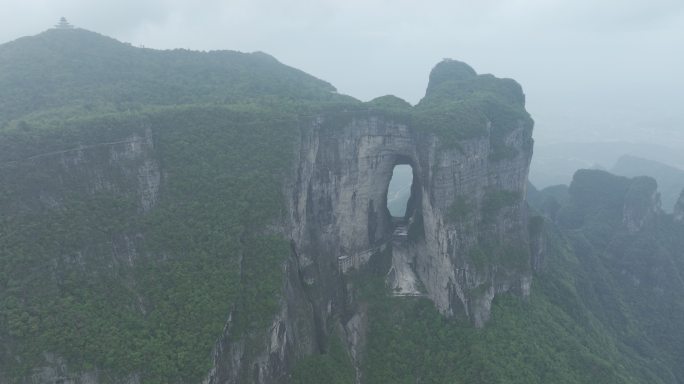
[605, 69]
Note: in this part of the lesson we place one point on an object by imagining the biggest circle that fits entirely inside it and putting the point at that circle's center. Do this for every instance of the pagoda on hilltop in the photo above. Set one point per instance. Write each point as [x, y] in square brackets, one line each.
[63, 24]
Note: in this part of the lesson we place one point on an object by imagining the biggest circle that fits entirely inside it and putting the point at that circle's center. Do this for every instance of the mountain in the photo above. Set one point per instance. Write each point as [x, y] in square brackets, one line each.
[555, 163]
[74, 71]
[133, 182]
[670, 179]
[622, 266]
[185, 217]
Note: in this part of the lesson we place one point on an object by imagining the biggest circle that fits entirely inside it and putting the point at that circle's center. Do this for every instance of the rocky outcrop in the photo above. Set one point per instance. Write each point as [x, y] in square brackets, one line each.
[466, 239]
[339, 209]
[642, 204]
[338, 205]
[538, 246]
[124, 166]
[679, 209]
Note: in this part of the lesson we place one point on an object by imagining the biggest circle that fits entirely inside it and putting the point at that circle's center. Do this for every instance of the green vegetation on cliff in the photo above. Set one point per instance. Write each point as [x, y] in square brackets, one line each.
[136, 190]
[459, 104]
[627, 277]
[87, 71]
[607, 308]
[159, 306]
[141, 205]
[333, 367]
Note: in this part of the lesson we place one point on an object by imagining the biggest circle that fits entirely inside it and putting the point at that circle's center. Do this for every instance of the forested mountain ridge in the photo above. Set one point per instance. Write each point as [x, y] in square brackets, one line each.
[631, 264]
[76, 68]
[175, 216]
[131, 180]
[670, 179]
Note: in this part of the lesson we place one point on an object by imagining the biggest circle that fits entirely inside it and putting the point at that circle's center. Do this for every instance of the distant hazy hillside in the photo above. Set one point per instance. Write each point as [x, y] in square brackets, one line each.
[670, 179]
[554, 164]
[619, 263]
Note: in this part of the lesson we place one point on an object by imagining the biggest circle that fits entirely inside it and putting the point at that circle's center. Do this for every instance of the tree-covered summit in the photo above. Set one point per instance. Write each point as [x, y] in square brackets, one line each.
[460, 104]
[453, 80]
[75, 67]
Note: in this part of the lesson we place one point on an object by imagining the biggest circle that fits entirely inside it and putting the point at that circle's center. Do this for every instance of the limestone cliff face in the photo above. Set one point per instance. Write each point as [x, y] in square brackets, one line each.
[125, 166]
[679, 209]
[467, 220]
[446, 261]
[642, 204]
[339, 199]
[464, 238]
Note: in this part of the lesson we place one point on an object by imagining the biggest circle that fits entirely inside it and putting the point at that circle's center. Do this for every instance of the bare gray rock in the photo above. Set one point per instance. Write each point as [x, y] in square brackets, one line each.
[679, 209]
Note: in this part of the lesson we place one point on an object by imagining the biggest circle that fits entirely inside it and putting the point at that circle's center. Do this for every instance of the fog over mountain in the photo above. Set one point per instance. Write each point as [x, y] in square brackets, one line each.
[592, 71]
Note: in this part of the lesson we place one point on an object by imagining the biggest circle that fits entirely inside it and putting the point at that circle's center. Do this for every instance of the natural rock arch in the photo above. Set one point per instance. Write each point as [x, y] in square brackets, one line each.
[467, 237]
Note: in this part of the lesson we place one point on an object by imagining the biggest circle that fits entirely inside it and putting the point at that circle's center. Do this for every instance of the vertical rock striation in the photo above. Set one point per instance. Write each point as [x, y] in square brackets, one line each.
[467, 220]
[642, 204]
[679, 209]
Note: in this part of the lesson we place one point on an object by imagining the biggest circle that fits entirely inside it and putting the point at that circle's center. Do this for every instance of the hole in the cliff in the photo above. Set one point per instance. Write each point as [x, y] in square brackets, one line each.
[399, 190]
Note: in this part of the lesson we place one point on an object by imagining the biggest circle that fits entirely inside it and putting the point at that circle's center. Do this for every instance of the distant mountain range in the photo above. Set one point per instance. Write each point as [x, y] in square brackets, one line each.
[670, 179]
[556, 163]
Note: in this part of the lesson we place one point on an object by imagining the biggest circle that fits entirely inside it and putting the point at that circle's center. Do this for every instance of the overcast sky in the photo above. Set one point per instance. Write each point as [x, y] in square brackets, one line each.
[591, 69]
